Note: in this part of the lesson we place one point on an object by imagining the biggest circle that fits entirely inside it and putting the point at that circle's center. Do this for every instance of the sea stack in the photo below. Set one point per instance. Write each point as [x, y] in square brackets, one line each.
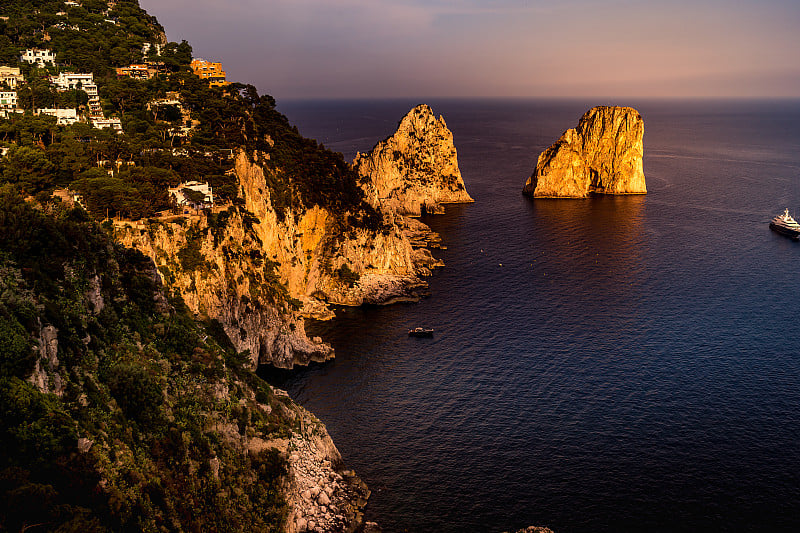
[415, 170]
[603, 155]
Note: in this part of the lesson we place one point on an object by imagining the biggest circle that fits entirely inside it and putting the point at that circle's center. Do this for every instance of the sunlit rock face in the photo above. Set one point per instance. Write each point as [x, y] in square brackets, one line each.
[415, 170]
[259, 275]
[603, 155]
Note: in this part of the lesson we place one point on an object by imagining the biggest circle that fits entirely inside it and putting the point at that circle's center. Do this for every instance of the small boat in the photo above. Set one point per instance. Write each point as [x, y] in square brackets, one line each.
[420, 332]
[785, 225]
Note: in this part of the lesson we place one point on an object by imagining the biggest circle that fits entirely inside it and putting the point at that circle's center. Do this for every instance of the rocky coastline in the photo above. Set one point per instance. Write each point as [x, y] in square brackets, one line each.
[261, 273]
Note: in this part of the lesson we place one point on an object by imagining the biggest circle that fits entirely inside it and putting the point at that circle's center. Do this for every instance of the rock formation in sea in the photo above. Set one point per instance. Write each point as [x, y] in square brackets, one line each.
[415, 170]
[603, 155]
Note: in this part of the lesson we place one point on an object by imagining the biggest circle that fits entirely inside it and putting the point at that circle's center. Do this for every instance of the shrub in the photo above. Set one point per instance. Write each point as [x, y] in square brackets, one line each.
[346, 275]
[136, 391]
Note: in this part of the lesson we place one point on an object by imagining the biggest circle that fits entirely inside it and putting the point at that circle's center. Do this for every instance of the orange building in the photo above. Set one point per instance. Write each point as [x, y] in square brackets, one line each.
[211, 72]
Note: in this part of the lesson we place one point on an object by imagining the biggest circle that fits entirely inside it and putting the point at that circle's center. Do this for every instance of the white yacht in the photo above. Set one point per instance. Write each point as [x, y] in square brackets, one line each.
[786, 225]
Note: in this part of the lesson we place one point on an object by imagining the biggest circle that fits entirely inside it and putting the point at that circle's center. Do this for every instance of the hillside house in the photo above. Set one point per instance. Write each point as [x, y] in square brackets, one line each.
[137, 72]
[67, 81]
[10, 76]
[66, 117]
[40, 58]
[69, 197]
[192, 194]
[8, 99]
[211, 72]
[102, 123]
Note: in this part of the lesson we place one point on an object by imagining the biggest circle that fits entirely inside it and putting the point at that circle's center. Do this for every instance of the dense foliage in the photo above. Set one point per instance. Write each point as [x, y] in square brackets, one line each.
[91, 37]
[128, 443]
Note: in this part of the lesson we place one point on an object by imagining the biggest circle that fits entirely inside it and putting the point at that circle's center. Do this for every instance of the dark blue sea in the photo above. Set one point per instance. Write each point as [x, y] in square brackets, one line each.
[608, 364]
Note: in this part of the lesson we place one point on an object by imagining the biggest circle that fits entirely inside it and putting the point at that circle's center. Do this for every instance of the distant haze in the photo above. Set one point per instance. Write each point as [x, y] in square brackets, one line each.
[503, 48]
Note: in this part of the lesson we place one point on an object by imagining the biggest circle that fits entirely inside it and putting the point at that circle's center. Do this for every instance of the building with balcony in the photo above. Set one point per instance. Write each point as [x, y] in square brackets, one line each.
[192, 194]
[40, 58]
[8, 99]
[102, 123]
[137, 72]
[211, 72]
[67, 81]
[66, 117]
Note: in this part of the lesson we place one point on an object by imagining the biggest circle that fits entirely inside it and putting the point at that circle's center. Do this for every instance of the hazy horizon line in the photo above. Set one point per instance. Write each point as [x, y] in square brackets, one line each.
[538, 98]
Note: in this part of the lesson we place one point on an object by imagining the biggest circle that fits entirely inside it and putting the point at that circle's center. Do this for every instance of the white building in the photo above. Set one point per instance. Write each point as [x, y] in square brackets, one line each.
[113, 123]
[40, 58]
[67, 81]
[10, 76]
[65, 117]
[8, 113]
[182, 200]
[8, 99]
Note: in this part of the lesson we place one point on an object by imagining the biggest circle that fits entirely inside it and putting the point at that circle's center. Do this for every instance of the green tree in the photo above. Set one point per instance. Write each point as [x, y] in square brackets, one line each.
[28, 168]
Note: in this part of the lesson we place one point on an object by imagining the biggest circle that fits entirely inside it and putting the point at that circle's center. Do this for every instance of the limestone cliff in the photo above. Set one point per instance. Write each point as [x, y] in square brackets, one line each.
[262, 265]
[415, 170]
[603, 155]
[258, 274]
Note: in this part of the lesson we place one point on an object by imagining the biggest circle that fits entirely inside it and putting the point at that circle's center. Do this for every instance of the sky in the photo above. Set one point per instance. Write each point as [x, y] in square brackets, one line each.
[294, 49]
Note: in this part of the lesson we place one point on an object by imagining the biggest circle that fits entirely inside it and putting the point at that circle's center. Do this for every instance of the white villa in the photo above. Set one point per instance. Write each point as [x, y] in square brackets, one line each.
[65, 117]
[113, 123]
[70, 80]
[182, 200]
[8, 99]
[40, 58]
[10, 76]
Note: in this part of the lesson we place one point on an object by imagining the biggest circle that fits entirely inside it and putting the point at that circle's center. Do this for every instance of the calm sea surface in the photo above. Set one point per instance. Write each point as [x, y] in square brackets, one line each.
[610, 364]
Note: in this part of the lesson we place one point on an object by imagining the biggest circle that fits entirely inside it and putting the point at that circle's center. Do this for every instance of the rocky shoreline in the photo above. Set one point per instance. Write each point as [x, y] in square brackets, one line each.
[260, 270]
